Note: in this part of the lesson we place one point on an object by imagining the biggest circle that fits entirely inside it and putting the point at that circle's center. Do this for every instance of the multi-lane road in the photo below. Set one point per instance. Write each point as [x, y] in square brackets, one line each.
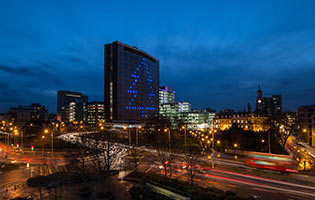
[235, 176]
[227, 175]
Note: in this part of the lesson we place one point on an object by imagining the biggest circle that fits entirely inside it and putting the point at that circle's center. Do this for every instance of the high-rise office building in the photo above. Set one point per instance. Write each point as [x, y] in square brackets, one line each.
[95, 113]
[268, 105]
[166, 95]
[71, 106]
[131, 83]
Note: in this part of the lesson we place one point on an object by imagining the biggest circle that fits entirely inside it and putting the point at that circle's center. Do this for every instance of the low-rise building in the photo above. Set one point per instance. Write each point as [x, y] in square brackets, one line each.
[246, 121]
[22, 114]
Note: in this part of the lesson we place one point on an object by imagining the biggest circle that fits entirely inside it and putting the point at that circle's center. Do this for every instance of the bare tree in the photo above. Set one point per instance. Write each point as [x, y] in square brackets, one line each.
[166, 159]
[172, 156]
[104, 156]
[162, 157]
[191, 158]
[136, 155]
[283, 136]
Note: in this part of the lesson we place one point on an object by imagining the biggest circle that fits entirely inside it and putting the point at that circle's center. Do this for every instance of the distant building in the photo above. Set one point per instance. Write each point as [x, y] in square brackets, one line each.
[290, 118]
[172, 110]
[306, 122]
[184, 106]
[246, 121]
[52, 117]
[197, 120]
[22, 114]
[268, 105]
[72, 106]
[95, 113]
[131, 83]
[166, 95]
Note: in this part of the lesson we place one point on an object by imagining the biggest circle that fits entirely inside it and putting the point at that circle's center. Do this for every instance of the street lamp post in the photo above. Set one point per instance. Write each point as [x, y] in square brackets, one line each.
[52, 143]
[22, 139]
[269, 145]
[43, 137]
[212, 148]
[169, 138]
[137, 135]
[185, 137]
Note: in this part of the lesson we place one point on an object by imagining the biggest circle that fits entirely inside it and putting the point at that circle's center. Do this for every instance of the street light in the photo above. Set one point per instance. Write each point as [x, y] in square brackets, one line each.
[235, 145]
[43, 137]
[185, 137]
[137, 135]
[169, 138]
[52, 140]
[129, 135]
[263, 141]
[218, 142]
[304, 130]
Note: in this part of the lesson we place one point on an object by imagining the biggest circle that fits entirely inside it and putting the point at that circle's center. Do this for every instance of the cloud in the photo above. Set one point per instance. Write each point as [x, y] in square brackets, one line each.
[16, 70]
[75, 59]
[36, 71]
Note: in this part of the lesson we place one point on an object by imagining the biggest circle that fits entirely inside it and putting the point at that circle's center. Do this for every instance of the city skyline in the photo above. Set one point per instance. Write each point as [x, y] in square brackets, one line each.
[215, 57]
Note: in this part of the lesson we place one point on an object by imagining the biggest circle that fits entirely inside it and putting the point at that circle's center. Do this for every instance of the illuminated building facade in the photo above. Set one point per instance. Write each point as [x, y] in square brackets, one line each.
[131, 83]
[268, 105]
[166, 95]
[95, 113]
[197, 120]
[173, 110]
[246, 121]
[72, 106]
[306, 122]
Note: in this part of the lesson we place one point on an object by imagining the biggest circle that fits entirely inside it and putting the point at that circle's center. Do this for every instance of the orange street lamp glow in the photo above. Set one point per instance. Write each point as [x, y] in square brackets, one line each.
[125, 128]
[263, 141]
[304, 130]
[218, 142]
[43, 137]
[235, 145]
[102, 128]
[46, 131]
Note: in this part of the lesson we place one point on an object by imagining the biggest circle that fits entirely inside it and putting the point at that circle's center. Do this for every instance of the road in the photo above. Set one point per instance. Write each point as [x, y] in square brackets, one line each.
[239, 178]
[303, 153]
[14, 155]
[239, 182]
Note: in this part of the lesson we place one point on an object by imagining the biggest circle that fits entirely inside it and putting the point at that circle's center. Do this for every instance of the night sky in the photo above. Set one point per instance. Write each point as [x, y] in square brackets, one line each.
[213, 54]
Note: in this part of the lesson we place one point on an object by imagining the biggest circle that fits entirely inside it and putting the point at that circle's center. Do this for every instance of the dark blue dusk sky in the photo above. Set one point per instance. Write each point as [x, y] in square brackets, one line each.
[213, 53]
